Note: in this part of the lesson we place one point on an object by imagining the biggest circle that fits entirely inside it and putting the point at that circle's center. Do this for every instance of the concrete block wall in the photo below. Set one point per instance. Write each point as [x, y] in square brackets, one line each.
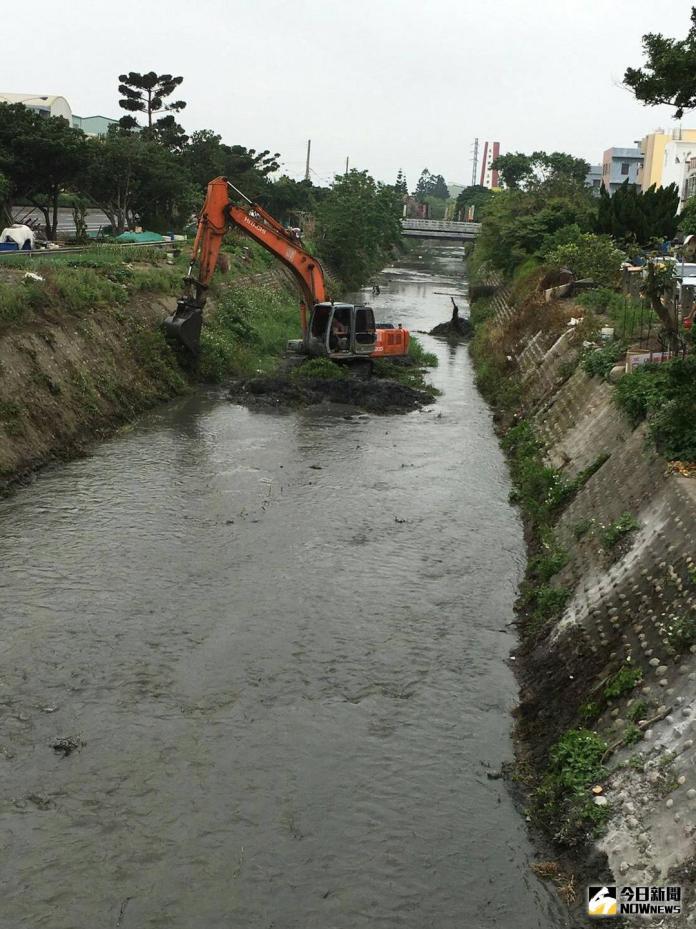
[622, 602]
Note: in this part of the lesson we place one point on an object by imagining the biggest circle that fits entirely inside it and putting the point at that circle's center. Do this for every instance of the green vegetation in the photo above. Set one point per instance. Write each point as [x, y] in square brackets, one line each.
[588, 256]
[632, 734]
[665, 396]
[630, 319]
[613, 533]
[247, 333]
[598, 362]
[623, 682]
[669, 74]
[81, 284]
[679, 631]
[358, 226]
[638, 217]
[418, 354]
[562, 802]
[582, 527]
[321, 368]
[637, 711]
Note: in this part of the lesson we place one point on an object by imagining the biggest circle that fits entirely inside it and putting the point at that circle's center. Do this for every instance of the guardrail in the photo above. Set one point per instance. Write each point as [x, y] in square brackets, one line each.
[441, 225]
[77, 249]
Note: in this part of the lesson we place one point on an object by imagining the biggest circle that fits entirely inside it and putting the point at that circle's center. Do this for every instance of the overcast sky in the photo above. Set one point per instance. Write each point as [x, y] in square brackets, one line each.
[390, 83]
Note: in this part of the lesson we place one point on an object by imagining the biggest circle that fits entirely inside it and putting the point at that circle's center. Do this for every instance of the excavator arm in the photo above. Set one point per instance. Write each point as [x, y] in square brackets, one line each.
[216, 217]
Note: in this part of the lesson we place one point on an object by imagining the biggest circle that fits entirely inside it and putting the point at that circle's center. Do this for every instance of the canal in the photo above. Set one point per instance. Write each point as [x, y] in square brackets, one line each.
[279, 643]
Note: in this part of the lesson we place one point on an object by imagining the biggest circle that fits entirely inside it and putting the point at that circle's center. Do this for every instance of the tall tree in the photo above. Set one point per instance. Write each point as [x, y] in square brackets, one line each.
[49, 157]
[520, 171]
[147, 93]
[358, 224]
[638, 217]
[669, 73]
[475, 196]
[401, 184]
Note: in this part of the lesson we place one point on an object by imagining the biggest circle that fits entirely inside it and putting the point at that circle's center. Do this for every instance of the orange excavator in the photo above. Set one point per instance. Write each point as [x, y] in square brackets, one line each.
[340, 331]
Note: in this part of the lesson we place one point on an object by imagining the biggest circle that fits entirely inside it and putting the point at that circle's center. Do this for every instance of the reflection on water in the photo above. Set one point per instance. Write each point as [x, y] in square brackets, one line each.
[282, 640]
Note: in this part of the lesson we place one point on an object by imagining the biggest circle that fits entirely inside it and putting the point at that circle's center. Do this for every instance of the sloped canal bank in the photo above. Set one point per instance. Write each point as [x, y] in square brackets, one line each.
[281, 640]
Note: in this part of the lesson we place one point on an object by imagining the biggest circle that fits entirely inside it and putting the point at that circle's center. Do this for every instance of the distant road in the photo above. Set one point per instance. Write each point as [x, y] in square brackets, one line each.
[66, 227]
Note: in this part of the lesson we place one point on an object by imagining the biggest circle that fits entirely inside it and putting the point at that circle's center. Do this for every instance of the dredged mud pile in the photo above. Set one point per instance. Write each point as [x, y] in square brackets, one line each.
[374, 395]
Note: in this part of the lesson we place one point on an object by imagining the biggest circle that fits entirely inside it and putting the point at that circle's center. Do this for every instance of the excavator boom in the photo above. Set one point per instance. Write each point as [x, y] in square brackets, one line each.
[216, 217]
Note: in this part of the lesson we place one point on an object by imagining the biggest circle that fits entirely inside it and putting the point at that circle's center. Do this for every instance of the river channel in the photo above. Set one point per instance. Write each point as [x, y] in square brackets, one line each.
[280, 642]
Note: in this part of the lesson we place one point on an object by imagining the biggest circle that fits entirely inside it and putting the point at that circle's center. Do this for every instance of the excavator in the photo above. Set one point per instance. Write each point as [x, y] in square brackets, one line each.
[340, 331]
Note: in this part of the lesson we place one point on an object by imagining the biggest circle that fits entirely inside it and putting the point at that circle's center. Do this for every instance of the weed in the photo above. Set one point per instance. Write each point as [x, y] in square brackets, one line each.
[637, 711]
[419, 356]
[582, 527]
[322, 368]
[623, 682]
[589, 711]
[561, 801]
[598, 362]
[637, 762]
[610, 535]
[632, 734]
[679, 631]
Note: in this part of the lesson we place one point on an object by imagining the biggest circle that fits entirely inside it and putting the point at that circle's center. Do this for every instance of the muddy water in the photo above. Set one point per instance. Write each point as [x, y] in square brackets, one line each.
[282, 641]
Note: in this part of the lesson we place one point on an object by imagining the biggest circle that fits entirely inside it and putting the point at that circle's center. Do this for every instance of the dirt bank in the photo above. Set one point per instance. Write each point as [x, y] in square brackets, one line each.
[607, 719]
[67, 379]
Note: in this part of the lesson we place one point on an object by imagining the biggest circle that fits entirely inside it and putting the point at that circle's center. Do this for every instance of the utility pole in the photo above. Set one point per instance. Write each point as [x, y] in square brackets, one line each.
[474, 170]
[347, 162]
[309, 149]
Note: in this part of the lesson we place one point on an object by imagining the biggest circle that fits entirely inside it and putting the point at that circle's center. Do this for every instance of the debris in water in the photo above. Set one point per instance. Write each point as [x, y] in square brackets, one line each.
[67, 745]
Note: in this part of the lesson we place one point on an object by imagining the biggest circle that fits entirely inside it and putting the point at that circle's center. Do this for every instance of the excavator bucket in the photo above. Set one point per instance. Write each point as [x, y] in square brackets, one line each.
[184, 326]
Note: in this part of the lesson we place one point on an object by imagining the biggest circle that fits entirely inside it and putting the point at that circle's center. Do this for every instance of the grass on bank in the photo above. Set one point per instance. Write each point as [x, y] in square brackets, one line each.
[79, 283]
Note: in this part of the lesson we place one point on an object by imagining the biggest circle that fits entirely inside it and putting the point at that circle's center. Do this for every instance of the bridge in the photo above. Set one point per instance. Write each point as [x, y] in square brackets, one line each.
[439, 229]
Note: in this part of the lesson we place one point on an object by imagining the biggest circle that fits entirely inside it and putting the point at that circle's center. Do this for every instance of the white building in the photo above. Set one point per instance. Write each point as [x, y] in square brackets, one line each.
[45, 105]
[51, 105]
[678, 154]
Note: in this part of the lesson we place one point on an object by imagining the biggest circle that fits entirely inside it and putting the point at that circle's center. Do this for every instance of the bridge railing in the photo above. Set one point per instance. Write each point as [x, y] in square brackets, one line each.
[441, 225]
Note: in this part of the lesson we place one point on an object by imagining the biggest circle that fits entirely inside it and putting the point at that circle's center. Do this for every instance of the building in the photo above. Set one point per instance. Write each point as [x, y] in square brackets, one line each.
[620, 165]
[489, 177]
[653, 147]
[593, 179]
[44, 105]
[93, 125]
[51, 105]
[678, 155]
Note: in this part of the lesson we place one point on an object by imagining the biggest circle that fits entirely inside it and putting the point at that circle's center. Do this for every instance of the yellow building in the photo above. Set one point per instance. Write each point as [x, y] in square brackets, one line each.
[653, 150]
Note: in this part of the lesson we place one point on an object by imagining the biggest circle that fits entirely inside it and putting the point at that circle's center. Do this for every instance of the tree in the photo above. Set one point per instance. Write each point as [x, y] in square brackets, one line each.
[135, 180]
[475, 196]
[669, 74]
[520, 171]
[48, 157]
[515, 169]
[358, 225]
[206, 156]
[146, 93]
[115, 161]
[687, 218]
[401, 184]
[431, 185]
[638, 217]
[588, 256]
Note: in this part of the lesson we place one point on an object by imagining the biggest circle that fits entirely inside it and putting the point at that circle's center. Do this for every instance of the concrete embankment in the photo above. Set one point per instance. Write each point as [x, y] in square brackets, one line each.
[607, 664]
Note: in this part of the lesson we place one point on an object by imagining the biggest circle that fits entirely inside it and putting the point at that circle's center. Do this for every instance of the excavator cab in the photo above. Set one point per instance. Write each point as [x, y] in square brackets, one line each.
[341, 330]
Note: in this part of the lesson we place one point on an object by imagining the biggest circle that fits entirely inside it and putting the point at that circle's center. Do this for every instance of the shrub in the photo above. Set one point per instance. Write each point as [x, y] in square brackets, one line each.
[321, 368]
[575, 759]
[598, 362]
[623, 682]
[593, 256]
[665, 395]
[611, 534]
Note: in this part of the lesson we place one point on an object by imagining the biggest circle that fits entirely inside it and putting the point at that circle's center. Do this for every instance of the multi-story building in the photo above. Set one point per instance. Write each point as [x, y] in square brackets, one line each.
[620, 165]
[653, 147]
[594, 179]
[489, 176]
